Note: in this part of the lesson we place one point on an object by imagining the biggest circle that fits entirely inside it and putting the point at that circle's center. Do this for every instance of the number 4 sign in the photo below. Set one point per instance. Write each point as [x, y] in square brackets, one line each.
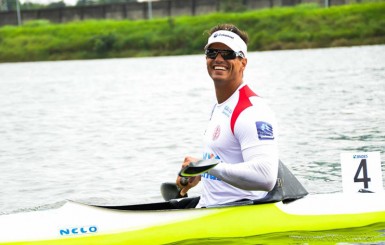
[361, 171]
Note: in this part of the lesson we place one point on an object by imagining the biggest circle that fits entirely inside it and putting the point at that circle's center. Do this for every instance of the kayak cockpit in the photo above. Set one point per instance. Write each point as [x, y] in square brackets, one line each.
[286, 189]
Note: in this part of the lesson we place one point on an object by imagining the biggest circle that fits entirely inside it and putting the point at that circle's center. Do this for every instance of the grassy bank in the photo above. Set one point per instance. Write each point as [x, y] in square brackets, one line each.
[304, 26]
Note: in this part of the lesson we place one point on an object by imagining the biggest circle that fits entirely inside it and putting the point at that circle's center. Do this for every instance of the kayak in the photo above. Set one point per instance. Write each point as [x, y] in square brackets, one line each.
[163, 222]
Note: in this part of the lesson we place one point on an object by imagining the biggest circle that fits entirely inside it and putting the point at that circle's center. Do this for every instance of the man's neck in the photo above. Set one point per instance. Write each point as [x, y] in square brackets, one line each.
[223, 92]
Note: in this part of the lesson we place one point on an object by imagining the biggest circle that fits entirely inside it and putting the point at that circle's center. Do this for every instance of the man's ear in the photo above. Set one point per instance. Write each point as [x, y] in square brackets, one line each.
[244, 63]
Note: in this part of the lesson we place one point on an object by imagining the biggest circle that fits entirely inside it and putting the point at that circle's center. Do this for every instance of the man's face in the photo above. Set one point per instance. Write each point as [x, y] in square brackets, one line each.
[225, 71]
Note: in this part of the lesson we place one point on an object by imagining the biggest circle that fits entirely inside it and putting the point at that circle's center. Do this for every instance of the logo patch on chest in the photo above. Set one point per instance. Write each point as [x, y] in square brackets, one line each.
[217, 132]
[265, 131]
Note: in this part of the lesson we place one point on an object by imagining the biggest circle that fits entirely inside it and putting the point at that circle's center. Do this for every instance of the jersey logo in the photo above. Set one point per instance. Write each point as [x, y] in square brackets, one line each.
[217, 132]
[227, 111]
[243, 103]
[209, 176]
[265, 131]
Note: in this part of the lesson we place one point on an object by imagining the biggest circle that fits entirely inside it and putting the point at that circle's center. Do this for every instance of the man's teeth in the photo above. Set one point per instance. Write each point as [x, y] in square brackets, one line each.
[219, 68]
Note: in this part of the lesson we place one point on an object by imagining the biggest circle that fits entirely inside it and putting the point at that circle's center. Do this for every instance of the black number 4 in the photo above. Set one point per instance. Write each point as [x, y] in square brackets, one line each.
[365, 179]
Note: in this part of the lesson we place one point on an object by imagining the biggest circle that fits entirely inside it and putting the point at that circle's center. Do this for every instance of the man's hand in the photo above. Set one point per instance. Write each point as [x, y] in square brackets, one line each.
[192, 181]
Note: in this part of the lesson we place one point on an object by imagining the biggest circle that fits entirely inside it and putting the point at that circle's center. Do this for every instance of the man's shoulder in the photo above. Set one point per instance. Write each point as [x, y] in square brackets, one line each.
[244, 102]
[246, 91]
[249, 106]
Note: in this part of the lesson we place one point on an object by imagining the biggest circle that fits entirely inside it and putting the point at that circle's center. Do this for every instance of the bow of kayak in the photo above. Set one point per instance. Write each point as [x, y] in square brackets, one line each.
[76, 223]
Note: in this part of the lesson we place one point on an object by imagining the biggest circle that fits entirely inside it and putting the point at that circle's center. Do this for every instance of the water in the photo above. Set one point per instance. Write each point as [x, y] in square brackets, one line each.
[111, 131]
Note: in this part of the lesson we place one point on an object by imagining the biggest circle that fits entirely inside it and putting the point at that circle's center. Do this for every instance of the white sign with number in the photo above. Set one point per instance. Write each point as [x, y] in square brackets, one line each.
[361, 171]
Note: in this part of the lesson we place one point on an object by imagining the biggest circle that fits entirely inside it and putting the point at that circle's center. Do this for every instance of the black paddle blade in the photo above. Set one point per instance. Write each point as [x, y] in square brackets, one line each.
[170, 191]
[198, 168]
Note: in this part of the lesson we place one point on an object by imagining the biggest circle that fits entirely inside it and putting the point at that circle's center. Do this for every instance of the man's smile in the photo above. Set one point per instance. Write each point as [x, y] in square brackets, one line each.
[219, 67]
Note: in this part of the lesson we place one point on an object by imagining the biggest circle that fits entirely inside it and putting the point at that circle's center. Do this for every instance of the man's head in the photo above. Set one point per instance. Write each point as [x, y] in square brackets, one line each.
[226, 52]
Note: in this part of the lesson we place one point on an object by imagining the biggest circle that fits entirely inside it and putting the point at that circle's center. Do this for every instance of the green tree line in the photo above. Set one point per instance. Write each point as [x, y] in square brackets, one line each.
[303, 26]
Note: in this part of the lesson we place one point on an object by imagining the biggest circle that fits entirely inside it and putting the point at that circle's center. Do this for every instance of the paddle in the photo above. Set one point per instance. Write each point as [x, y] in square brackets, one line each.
[170, 190]
[198, 168]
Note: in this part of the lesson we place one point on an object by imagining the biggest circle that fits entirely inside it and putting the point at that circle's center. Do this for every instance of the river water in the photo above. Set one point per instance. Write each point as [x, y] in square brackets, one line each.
[111, 131]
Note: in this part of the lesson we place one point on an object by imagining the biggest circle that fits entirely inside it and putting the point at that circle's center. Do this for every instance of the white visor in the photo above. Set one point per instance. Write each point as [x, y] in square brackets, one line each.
[230, 39]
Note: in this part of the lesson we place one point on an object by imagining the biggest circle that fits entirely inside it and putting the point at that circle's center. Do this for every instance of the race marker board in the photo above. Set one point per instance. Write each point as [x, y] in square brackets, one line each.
[361, 171]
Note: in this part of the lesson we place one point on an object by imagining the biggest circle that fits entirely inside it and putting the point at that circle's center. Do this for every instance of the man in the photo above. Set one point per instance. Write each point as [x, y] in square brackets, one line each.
[241, 132]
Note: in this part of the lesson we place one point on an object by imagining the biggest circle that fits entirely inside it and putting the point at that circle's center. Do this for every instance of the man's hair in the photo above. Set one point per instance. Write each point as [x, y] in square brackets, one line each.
[230, 27]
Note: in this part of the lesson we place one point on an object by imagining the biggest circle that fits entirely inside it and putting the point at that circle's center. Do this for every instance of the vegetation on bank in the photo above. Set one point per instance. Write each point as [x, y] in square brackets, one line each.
[303, 26]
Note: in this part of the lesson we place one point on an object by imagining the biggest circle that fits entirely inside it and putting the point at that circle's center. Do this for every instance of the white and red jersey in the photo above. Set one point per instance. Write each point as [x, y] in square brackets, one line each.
[242, 134]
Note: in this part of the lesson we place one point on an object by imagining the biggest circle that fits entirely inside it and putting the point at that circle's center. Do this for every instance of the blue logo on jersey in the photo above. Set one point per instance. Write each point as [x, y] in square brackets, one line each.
[227, 111]
[206, 156]
[265, 131]
[209, 176]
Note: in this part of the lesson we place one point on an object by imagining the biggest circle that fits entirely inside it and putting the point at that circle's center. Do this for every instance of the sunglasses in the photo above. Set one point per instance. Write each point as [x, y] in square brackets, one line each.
[226, 54]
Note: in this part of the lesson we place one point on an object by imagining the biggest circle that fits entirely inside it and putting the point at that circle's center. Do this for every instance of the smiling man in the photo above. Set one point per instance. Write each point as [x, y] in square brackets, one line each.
[242, 131]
